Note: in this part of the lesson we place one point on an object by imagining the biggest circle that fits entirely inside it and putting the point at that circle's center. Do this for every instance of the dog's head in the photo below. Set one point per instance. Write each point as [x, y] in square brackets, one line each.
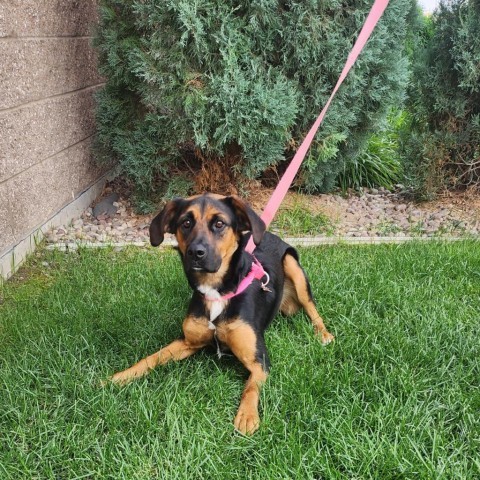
[208, 229]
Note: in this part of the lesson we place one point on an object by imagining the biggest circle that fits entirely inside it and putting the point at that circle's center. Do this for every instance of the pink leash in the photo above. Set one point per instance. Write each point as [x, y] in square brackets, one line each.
[282, 188]
[257, 271]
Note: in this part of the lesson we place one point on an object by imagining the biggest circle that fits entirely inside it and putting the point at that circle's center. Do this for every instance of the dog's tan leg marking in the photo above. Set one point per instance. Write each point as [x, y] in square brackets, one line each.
[290, 304]
[197, 335]
[299, 294]
[242, 341]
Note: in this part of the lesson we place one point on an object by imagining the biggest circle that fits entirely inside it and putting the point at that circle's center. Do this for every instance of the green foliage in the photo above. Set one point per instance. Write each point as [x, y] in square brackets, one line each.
[442, 145]
[298, 220]
[208, 79]
[178, 186]
[379, 164]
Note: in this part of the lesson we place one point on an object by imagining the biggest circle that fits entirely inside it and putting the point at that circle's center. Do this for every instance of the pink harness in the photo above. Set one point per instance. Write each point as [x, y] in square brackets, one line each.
[257, 272]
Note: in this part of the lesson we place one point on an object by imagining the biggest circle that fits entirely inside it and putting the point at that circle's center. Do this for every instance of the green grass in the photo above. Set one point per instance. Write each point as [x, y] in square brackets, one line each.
[298, 220]
[396, 397]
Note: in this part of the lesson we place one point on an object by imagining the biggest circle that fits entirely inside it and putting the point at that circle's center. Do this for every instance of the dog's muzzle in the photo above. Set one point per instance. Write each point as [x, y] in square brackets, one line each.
[198, 257]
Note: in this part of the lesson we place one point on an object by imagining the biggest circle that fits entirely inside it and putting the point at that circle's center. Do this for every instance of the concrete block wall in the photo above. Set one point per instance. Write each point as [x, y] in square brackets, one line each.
[48, 78]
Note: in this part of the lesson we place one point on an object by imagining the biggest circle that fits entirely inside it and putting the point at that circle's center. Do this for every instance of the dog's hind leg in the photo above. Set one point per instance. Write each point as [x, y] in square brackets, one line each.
[197, 335]
[297, 293]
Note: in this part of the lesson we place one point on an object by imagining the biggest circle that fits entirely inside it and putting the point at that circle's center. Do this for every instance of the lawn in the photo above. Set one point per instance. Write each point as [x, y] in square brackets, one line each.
[396, 397]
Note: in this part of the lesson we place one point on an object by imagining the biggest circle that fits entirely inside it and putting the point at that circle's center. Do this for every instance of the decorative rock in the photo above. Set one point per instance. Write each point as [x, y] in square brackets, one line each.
[106, 207]
[378, 213]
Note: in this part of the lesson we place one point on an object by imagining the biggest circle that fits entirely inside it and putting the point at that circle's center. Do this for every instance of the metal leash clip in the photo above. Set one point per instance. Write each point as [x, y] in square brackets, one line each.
[264, 285]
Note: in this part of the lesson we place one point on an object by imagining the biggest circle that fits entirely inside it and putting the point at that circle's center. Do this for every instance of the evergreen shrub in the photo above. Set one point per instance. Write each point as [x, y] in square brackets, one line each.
[379, 165]
[441, 147]
[232, 87]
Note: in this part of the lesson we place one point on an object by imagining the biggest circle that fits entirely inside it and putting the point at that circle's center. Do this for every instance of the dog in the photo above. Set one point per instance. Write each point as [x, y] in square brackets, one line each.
[235, 294]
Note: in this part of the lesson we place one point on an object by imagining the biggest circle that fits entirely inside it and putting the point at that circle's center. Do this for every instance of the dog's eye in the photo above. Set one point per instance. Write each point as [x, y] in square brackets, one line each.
[219, 224]
[187, 224]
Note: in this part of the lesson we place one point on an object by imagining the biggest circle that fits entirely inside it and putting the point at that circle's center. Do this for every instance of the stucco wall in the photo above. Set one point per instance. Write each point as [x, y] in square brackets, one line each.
[48, 78]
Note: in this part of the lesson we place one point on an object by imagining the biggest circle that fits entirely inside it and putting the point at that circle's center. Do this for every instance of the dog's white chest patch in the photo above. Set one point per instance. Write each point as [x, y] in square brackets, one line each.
[216, 305]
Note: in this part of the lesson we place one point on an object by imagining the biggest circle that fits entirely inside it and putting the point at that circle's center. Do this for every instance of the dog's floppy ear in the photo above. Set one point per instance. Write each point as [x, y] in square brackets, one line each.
[246, 217]
[163, 222]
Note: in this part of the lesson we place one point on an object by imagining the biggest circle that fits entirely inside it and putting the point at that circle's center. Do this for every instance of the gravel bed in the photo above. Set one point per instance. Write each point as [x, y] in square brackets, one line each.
[379, 213]
[376, 213]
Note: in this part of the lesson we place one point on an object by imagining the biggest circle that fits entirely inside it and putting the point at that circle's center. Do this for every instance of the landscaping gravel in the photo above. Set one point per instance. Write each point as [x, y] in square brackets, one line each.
[375, 213]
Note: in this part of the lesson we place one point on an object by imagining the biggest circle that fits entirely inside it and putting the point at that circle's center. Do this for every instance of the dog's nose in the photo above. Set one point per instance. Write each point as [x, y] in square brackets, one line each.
[197, 251]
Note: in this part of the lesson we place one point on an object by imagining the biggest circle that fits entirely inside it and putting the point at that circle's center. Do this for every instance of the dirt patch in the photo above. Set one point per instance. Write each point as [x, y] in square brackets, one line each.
[465, 205]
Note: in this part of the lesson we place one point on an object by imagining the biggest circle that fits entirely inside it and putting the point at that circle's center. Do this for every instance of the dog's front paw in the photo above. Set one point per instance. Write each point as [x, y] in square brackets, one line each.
[247, 421]
[325, 337]
[121, 378]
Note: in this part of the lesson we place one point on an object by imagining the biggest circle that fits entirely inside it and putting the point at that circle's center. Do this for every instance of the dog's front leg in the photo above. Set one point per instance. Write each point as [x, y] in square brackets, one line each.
[197, 335]
[249, 348]
[177, 350]
[247, 419]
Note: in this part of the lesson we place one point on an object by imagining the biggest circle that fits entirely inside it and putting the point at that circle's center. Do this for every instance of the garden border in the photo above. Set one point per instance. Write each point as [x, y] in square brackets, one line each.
[13, 258]
[294, 241]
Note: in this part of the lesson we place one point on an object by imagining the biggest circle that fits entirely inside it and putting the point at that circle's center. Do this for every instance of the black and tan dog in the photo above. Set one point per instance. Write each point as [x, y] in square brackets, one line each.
[210, 230]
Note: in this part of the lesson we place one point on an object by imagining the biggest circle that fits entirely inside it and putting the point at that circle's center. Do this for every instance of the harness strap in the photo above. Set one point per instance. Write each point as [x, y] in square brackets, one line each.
[257, 272]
